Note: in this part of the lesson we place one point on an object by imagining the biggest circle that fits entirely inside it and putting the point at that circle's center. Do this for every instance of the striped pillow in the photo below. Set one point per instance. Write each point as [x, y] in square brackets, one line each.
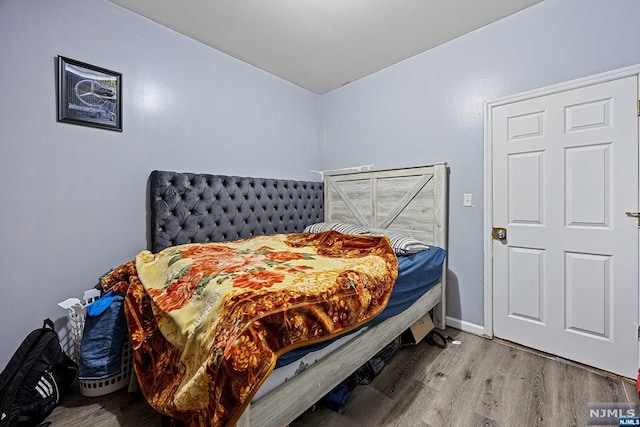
[401, 243]
[337, 226]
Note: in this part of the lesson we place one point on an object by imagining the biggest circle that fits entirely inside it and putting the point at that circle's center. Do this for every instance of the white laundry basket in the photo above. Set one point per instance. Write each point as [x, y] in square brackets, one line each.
[77, 313]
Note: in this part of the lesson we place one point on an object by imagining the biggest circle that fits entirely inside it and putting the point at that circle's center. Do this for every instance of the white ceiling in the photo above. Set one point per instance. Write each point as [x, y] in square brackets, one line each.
[321, 45]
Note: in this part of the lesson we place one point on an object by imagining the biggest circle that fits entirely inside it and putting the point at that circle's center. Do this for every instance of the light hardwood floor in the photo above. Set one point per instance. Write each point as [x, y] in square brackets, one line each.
[478, 383]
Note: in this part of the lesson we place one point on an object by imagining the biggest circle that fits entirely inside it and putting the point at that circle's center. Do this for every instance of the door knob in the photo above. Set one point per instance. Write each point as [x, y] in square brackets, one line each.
[499, 233]
[634, 214]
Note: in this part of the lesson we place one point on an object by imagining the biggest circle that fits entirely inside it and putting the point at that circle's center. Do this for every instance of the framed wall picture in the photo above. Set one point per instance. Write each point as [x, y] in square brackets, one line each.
[89, 95]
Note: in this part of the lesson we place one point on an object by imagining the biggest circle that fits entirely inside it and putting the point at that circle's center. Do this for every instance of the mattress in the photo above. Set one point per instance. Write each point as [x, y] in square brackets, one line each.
[417, 274]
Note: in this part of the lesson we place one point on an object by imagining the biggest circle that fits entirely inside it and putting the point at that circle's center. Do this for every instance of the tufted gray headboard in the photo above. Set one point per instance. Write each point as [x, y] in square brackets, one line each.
[189, 207]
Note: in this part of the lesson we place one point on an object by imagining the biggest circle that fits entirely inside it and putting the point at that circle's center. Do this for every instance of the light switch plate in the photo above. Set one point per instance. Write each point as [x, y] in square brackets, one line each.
[467, 200]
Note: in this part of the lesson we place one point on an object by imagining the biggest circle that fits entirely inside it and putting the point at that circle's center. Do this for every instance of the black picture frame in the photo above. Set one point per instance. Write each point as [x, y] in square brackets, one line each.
[89, 95]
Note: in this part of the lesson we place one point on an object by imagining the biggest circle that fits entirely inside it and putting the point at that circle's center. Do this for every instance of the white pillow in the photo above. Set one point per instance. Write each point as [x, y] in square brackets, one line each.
[337, 226]
[402, 244]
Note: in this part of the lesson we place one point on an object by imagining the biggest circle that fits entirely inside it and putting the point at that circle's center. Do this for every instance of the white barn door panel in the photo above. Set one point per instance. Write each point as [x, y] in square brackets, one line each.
[565, 171]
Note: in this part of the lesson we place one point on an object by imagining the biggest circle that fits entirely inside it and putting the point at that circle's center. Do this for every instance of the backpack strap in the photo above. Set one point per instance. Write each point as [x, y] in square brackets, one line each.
[48, 323]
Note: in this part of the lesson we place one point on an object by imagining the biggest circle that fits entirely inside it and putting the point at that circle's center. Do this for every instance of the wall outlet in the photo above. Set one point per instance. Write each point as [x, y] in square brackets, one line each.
[467, 200]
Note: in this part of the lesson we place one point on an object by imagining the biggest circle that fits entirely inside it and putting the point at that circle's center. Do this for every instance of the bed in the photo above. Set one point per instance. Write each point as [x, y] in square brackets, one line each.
[186, 208]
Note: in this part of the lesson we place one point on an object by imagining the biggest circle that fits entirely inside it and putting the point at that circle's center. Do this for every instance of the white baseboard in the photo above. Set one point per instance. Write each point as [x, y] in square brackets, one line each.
[465, 326]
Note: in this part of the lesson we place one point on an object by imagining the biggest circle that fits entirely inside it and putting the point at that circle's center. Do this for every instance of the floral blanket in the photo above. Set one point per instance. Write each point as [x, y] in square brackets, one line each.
[208, 321]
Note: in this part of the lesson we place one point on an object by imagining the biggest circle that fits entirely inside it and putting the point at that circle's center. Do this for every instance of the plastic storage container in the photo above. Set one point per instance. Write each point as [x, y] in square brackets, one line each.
[99, 387]
[77, 313]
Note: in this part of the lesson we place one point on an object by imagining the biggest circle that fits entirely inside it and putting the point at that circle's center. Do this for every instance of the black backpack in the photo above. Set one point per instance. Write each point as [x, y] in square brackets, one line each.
[35, 379]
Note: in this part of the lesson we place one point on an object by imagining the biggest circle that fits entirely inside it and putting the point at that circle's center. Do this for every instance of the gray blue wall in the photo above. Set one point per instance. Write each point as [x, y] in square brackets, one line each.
[430, 108]
[73, 198]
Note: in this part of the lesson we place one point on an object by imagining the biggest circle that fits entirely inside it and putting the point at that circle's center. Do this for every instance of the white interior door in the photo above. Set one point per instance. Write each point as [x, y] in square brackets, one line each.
[565, 171]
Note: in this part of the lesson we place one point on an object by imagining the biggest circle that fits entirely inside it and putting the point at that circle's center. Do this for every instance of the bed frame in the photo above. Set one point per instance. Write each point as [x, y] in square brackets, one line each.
[196, 207]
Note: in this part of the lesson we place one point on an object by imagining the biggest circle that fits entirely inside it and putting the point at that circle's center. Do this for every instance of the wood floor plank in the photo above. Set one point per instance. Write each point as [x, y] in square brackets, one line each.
[452, 403]
[478, 420]
[406, 365]
[435, 373]
[116, 409]
[629, 389]
[534, 397]
[567, 403]
[408, 405]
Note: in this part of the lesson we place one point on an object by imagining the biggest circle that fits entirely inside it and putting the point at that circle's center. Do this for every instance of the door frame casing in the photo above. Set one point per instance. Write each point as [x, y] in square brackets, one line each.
[488, 167]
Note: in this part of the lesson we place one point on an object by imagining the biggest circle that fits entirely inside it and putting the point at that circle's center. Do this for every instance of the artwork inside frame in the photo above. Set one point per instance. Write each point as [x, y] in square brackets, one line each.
[89, 95]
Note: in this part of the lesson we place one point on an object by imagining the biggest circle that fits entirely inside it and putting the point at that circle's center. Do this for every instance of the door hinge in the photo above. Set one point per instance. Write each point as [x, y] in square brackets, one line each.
[639, 107]
[638, 333]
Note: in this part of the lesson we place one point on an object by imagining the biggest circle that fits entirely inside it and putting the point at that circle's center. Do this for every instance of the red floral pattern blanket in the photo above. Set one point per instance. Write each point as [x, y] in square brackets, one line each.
[208, 321]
